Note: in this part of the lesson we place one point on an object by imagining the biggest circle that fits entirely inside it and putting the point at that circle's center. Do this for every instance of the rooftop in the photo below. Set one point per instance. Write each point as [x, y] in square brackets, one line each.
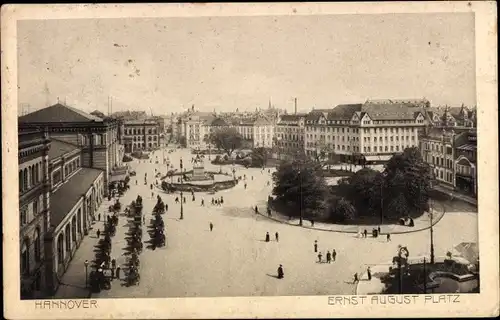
[66, 197]
[58, 113]
[59, 148]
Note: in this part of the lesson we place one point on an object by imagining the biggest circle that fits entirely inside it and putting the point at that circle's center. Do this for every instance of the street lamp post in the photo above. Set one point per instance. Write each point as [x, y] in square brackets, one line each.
[401, 251]
[300, 186]
[431, 216]
[86, 263]
[182, 198]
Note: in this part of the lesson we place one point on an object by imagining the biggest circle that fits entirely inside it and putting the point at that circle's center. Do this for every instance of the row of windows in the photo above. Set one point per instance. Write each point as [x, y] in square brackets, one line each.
[439, 174]
[439, 161]
[150, 138]
[290, 137]
[144, 145]
[365, 149]
[364, 130]
[29, 212]
[465, 170]
[30, 176]
[130, 131]
[364, 121]
[71, 167]
[27, 247]
[285, 129]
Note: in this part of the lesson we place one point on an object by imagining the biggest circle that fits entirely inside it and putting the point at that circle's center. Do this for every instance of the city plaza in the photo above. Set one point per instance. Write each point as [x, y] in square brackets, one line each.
[234, 259]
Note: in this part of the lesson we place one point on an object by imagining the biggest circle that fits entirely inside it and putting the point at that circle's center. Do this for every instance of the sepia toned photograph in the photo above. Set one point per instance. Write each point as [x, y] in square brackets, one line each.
[226, 156]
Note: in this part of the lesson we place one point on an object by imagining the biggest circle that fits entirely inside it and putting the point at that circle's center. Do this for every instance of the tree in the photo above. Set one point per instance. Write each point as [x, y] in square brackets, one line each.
[227, 139]
[408, 173]
[259, 157]
[343, 211]
[298, 185]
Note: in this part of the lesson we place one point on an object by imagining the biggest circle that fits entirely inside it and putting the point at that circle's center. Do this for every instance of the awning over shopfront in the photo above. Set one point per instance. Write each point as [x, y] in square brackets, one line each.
[378, 158]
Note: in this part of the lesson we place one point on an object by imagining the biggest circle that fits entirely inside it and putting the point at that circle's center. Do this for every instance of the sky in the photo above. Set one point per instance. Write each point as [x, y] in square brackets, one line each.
[164, 65]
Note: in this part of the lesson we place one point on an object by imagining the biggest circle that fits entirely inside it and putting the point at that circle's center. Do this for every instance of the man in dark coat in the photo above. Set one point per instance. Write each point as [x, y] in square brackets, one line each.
[211, 226]
[267, 237]
[277, 237]
[315, 245]
[281, 273]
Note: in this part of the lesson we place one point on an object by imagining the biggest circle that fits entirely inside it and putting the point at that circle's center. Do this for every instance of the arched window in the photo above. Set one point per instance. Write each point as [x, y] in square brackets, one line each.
[25, 257]
[67, 234]
[37, 245]
[25, 179]
[37, 173]
[60, 249]
[21, 187]
[32, 175]
[73, 229]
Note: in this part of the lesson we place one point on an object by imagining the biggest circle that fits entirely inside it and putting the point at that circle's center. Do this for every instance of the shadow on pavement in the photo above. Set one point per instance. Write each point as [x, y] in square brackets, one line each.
[272, 275]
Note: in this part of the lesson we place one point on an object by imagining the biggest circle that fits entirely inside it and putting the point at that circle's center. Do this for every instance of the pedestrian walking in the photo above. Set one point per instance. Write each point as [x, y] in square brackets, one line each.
[365, 233]
[277, 237]
[211, 226]
[177, 200]
[320, 257]
[256, 209]
[118, 269]
[213, 201]
[334, 255]
[328, 257]
[378, 229]
[356, 278]
[312, 223]
[388, 237]
[267, 237]
[281, 273]
[98, 233]
[315, 245]
[269, 211]
[194, 199]
[245, 185]
[369, 273]
[221, 200]
[202, 202]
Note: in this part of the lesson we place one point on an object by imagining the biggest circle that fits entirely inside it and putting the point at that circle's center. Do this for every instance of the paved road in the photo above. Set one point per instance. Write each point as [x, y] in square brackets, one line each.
[233, 259]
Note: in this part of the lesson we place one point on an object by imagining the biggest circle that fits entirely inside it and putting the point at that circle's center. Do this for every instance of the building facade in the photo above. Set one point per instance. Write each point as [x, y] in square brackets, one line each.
[75, 194]
[34, 202]
[452, 154]
[368, 132]
[97, 138]
[141, 135]
[289, 135]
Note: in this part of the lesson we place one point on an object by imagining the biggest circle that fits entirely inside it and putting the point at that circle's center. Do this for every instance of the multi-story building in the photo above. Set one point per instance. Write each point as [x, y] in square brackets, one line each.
[452, 155]
[33, 148]
[466, 162]
[460, 117]
[368, 132]
[438, 149]
[141, 135]
[289, 135]
[76, 193]
[97, 138]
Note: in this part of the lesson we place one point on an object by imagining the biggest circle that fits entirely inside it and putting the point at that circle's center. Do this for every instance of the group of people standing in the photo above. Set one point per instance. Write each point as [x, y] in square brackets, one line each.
[330, 256]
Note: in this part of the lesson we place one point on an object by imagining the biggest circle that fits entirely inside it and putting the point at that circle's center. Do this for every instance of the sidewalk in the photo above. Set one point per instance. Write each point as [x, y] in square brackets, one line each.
[421, 223]
[72, 283]
[455, 194]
